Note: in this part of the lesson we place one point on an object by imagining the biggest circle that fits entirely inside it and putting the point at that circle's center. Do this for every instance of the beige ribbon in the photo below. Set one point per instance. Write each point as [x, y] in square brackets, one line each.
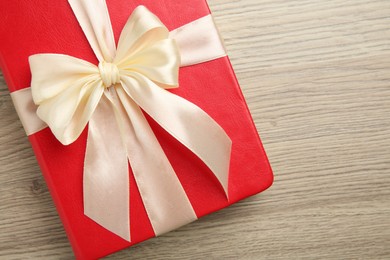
[71, 93]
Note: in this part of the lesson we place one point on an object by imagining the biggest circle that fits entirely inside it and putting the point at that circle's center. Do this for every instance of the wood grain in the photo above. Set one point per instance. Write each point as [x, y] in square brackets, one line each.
[316, 75]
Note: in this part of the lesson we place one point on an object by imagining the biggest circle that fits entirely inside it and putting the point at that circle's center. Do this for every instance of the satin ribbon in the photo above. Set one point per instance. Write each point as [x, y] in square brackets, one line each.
[71, 93]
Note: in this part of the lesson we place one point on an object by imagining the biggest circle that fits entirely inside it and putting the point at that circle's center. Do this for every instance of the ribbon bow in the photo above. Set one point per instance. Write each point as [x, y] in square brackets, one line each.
[71, 93]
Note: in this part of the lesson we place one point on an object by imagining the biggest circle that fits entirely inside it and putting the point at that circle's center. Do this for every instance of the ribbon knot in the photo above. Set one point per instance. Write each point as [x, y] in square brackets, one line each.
[71, 93]
[109, 73]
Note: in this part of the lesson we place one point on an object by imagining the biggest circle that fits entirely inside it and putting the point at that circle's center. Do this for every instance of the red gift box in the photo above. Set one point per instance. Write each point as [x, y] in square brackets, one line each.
[28, 28]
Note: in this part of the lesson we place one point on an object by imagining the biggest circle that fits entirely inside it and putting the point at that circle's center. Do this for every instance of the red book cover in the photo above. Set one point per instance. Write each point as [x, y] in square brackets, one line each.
[30, 27]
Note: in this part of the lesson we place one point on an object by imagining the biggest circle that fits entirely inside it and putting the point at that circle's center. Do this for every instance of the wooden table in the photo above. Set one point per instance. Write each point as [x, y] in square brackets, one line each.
[316, 75]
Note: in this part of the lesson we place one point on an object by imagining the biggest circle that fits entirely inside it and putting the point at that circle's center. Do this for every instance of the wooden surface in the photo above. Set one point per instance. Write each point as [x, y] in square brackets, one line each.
[316, 75]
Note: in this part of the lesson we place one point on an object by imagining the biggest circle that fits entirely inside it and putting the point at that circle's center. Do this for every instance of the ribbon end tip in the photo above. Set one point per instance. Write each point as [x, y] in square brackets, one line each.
[227, 196]
[127, 238]
[121, 231]
[226, 191]
[124, 233]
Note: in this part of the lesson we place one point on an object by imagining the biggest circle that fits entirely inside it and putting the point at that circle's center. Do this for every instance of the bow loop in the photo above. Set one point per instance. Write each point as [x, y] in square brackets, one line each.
[67, 91]
[142, 30]
[54, 73]
[159, 62]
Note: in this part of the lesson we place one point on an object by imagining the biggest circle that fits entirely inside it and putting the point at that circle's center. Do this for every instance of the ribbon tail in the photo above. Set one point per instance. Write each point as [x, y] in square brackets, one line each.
[106, 173]
[185, 121]
[165, 200]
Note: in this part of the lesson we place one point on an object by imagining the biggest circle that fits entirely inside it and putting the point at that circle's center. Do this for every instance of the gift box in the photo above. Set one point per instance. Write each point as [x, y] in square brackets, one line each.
[145, 202]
